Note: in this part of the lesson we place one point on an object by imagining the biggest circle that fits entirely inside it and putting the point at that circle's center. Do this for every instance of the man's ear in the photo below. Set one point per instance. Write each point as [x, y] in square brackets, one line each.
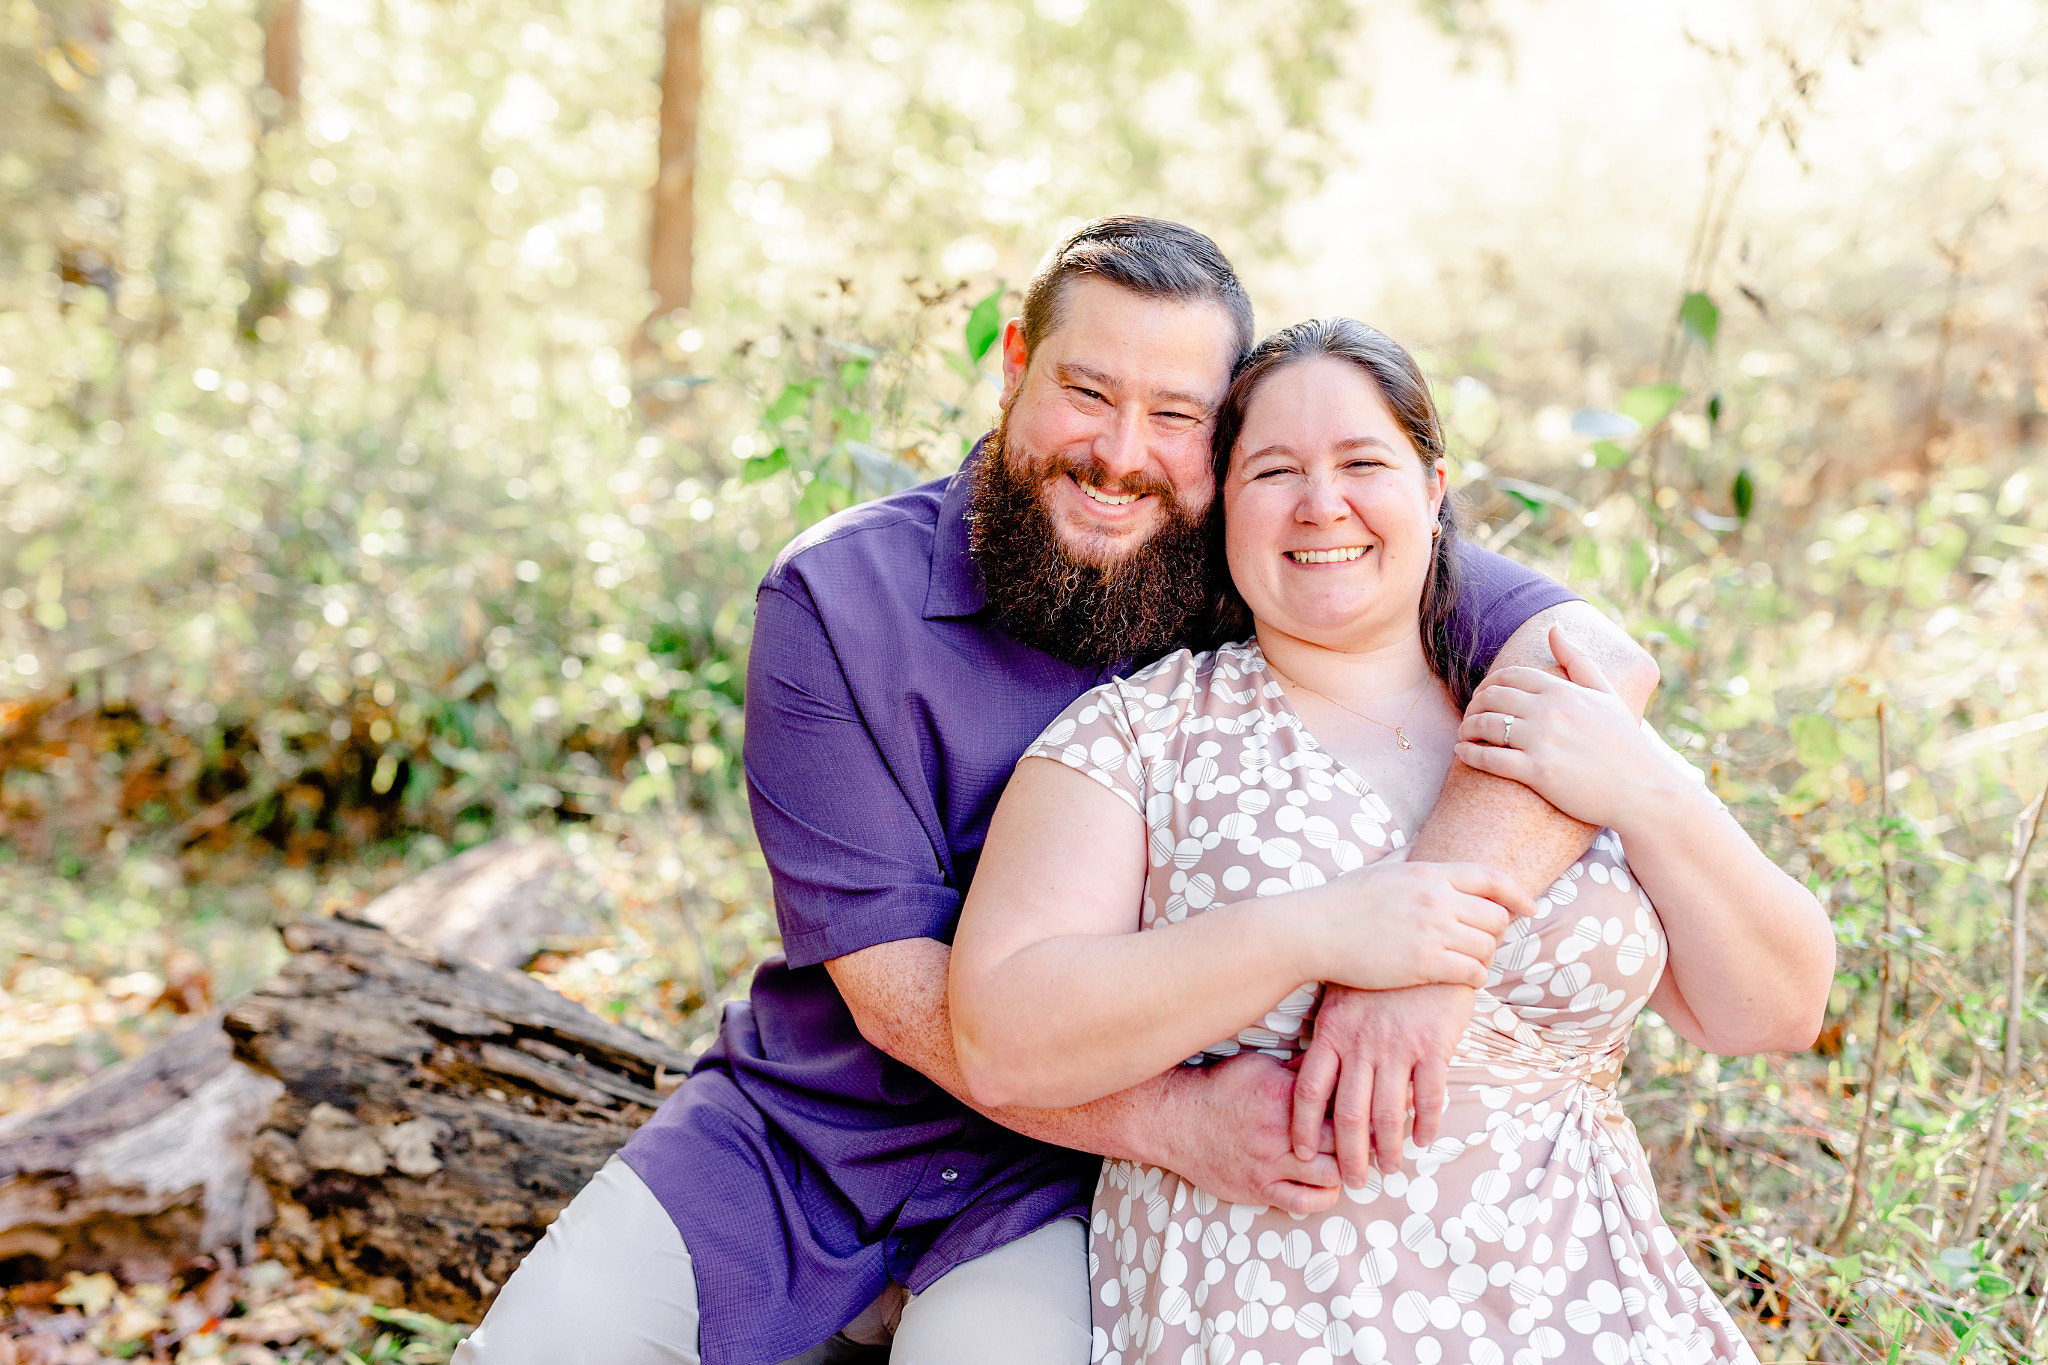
[1015, 358]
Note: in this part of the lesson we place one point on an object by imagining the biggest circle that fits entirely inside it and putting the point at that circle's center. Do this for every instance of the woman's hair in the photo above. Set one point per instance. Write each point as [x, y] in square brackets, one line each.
[1399, 380]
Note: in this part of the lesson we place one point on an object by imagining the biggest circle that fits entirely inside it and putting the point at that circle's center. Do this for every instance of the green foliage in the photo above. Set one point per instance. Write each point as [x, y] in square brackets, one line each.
[1700, 318]
[984, 325]
[1649, 404]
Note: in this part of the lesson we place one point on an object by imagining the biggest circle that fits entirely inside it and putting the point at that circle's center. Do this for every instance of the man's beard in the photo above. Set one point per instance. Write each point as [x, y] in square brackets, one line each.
[1143, 604]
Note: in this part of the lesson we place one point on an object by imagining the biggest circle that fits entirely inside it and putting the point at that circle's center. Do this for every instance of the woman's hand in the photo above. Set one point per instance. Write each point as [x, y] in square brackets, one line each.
[1575, 743]
[1399, 924]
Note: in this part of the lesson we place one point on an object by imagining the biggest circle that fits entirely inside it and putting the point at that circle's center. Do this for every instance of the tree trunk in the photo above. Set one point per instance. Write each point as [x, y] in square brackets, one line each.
[436, 1114]
[671, 238]
[496, 905]
[281, 59]
[143, 1171]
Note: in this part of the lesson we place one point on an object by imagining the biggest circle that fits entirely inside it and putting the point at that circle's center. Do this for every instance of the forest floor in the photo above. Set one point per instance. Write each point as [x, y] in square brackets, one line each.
[87, 987]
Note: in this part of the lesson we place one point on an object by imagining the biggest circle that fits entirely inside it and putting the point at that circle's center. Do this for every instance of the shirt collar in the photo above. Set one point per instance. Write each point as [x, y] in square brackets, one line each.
[956, 587]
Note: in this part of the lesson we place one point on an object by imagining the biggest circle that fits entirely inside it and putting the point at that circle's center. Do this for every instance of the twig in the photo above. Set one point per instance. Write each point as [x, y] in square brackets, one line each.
[1861, 1168]
[2023, 832]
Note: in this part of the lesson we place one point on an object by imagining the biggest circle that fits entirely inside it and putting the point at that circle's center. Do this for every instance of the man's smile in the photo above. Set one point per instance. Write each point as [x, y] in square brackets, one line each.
[1106, 498]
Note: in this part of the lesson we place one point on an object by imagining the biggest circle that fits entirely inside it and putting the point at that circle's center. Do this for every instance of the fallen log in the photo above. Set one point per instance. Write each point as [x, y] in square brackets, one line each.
[436, 1114]
[495, 904]
[143, 1171]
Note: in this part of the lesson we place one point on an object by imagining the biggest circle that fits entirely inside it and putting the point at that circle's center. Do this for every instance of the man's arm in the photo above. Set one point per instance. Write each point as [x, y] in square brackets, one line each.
[1373, 1050]
[858, 886]
[1223, 1126]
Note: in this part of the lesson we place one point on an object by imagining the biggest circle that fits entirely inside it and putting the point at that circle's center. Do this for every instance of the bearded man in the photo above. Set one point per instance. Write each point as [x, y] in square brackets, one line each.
[821, 1184]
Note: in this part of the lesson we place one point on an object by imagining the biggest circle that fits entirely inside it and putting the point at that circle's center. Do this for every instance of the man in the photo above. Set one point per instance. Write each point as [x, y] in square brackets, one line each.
[820, 1180]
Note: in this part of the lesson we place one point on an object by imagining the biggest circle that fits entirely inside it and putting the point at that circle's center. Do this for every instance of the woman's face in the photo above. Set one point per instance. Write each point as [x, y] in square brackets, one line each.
[1328, 510]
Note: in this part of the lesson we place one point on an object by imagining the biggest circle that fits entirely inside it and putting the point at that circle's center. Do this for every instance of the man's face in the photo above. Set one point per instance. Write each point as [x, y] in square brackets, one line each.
[1087, 517]
[1112, 416]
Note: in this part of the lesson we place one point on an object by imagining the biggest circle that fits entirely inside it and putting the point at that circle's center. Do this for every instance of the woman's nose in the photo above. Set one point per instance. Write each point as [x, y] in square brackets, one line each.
[1321, 503]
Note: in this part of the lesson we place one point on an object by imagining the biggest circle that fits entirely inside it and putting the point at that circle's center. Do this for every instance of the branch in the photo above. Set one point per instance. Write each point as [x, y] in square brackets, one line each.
[2023, 832]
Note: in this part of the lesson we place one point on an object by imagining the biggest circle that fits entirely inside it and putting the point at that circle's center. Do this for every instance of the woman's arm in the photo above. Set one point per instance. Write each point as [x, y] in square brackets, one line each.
[1057, 999]
[1752, 953]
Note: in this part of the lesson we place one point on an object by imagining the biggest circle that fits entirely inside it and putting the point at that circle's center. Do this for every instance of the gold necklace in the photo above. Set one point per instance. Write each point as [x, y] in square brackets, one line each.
[1400, 735]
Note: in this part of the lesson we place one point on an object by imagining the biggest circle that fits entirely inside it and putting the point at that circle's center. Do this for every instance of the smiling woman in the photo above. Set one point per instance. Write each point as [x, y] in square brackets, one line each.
[1207, 842]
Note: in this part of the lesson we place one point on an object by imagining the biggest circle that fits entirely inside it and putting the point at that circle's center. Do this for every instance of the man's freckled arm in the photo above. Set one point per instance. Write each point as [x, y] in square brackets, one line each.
[1485, 819]
[897, 993]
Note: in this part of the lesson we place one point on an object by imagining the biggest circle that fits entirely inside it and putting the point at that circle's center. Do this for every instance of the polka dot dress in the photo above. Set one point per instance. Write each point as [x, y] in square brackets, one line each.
[1529, 1232]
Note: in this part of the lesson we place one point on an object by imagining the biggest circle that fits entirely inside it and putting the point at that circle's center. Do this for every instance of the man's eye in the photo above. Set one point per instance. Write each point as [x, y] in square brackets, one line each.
[1178, 416]
[1087, 393]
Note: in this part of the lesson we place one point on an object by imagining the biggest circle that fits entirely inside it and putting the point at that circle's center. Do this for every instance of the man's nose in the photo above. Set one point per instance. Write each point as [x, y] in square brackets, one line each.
[1121, 446]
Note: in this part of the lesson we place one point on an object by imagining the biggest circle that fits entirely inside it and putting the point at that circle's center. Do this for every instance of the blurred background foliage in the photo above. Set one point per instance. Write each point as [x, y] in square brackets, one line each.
[360, 499]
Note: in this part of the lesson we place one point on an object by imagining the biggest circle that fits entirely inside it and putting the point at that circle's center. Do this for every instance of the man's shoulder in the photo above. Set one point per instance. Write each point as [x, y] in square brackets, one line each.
[885, 534]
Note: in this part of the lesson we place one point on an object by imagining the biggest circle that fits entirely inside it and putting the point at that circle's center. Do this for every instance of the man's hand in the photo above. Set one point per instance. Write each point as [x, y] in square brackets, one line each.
[1366, 1047]
[1225, 1127]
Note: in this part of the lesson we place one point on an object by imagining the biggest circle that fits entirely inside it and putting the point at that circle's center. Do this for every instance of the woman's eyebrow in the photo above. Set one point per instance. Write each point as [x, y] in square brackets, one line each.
[1354, 443]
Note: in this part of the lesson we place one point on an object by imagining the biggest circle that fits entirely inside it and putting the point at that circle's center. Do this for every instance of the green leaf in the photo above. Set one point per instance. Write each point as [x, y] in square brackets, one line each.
[1608, 455]
[1744, 492]
[962, 366]
[764, 466]
[1532, 505]
[1638, 565]
[1585, 559]
[1815, 742]
[821, 498]
[1649, 404]
[1714, 408]
[1700, 318]
[854, 426]
[1849, 1267]
[853, 373]
[1672, 631]
[984, 325]
[789, 403]
[1811, 790]
[36, 553]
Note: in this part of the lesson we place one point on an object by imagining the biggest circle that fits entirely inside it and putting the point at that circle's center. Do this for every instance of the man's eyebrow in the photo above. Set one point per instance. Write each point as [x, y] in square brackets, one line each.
[1068, 372]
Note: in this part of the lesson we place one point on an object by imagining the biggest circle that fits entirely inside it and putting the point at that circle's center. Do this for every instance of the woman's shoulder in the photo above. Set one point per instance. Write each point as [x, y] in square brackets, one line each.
[1162, 698]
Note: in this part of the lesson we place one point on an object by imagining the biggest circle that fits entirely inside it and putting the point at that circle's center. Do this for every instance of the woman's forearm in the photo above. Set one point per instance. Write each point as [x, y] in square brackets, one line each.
[1066, 1020]
[1752, 953]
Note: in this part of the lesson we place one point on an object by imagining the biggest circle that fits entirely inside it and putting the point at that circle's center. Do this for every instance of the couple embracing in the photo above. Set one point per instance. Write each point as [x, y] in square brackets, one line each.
[1208, 935]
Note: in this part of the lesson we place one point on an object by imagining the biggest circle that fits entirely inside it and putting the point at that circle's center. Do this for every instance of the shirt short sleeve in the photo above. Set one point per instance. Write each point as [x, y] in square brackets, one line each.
[1120, 732]
[1496, 596]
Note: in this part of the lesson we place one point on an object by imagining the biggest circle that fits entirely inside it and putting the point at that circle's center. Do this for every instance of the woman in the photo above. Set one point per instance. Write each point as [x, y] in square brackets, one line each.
[1244, 808]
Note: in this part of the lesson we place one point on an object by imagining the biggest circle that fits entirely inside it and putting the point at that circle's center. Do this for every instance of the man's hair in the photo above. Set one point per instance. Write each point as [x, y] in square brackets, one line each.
[1148, 256]
[1400, 381]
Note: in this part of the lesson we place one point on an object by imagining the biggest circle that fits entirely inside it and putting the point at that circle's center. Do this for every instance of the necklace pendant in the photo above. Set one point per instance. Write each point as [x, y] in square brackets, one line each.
[1401, 738]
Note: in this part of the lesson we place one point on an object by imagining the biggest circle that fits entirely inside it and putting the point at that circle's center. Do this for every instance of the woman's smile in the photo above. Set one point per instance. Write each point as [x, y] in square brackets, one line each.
[1345, 555]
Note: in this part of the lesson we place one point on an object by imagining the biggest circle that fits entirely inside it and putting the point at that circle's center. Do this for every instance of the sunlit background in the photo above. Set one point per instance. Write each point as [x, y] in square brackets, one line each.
[399, 400]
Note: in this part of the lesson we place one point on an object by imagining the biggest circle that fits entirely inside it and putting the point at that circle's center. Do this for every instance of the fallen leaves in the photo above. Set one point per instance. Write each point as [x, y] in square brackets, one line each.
[230, 1315]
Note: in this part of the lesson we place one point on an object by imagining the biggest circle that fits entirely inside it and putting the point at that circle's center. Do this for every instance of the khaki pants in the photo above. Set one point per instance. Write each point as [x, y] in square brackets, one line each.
[611, 1284]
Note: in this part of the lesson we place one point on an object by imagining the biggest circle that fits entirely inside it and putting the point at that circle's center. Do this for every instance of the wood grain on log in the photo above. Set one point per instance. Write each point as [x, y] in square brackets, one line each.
[144, 1170]
[495, 904]
[437, 1114]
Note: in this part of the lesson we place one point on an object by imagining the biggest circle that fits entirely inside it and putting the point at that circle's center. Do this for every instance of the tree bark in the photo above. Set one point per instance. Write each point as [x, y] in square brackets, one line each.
[496, 905]
[671, 236]
[143, 1171]
[282, 57]
[436, 1114]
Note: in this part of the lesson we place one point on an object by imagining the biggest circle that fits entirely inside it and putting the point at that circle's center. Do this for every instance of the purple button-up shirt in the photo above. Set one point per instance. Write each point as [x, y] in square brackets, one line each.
[803, 1166]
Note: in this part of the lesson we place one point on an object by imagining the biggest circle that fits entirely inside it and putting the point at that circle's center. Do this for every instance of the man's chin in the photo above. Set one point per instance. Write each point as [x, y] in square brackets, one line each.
[1088, 541]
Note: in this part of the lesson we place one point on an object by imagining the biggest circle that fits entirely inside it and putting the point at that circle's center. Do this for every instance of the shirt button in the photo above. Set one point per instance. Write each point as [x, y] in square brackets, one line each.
[949, 1174]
